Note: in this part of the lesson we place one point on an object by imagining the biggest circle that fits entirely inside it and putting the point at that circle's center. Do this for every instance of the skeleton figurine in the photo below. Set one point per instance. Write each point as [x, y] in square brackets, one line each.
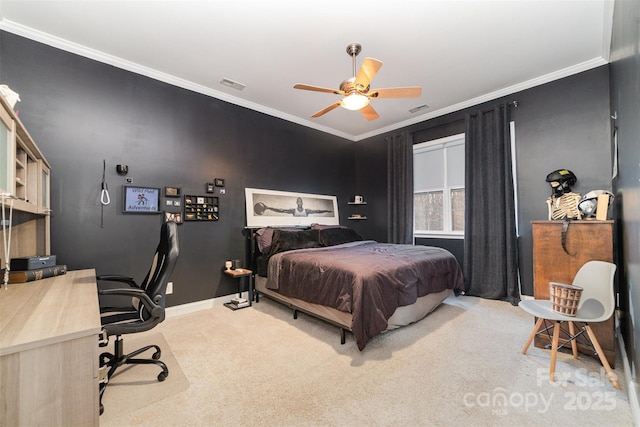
[563, 203]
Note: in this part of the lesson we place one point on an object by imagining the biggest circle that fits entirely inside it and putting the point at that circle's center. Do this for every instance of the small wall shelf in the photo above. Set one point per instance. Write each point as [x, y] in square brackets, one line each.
[357, 216]
[200, 208]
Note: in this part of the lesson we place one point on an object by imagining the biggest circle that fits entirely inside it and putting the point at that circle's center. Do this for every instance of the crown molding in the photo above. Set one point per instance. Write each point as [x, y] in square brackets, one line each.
[556, 75]
[96, 55]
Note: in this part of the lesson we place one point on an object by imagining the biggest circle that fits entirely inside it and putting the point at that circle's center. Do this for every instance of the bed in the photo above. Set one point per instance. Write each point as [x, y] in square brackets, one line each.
[361, 286]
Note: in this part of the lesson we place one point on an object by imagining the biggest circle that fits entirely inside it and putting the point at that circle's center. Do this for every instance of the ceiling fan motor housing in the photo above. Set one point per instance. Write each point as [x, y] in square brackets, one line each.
[349, 86]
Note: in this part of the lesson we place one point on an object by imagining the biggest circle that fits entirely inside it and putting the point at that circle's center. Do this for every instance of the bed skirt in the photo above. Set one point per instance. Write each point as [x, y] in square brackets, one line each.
[403, 316]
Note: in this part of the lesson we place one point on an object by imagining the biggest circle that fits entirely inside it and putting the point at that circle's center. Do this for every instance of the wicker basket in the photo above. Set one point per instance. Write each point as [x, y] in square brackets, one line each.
[564, 298]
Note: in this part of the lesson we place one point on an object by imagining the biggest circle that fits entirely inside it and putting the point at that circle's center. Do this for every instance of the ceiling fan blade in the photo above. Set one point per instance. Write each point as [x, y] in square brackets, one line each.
[367, 72]
[396, 92]
[326, 110]
[318, 89]
[369, 113]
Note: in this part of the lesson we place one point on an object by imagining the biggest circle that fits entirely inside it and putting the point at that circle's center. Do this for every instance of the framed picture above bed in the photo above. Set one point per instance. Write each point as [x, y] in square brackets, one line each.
[282, 208]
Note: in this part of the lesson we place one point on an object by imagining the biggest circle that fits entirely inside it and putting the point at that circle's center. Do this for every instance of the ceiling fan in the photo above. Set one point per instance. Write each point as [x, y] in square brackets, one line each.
[356, 90]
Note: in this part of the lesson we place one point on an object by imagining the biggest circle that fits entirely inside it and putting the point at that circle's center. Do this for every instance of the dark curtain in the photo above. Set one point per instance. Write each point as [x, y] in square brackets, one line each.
[490, 252]
[400, 188]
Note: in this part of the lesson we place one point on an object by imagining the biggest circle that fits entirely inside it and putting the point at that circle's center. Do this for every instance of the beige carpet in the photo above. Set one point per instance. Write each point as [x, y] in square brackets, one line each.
[459, 366]
[133, 387]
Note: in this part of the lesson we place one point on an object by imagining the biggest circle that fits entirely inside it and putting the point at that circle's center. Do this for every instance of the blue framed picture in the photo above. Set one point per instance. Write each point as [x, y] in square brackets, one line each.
[140, 199]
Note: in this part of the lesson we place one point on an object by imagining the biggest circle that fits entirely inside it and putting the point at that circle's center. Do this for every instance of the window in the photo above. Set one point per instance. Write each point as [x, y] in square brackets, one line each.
[438, 187]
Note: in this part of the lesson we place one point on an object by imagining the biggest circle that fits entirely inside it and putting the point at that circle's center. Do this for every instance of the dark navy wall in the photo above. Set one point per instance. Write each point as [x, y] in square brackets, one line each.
[81, 112]
[625, 106]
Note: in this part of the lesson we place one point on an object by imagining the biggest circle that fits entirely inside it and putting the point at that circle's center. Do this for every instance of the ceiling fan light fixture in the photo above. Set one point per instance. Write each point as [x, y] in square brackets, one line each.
[354, 101]
[356, 90]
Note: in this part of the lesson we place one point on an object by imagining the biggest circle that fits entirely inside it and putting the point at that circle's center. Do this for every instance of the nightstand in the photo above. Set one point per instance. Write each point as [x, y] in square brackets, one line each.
[241, 273]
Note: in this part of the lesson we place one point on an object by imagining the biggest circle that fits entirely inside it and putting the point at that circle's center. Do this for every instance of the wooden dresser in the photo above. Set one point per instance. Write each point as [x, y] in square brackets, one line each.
[49, 351]
[585, 241]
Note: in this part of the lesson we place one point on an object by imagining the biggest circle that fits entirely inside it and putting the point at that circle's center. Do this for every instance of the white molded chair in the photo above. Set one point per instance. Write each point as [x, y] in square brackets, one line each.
[597, 304]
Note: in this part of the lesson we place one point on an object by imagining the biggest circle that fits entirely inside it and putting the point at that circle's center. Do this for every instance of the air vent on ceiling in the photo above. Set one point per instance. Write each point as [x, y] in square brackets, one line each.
[419, 108]
[228, 82]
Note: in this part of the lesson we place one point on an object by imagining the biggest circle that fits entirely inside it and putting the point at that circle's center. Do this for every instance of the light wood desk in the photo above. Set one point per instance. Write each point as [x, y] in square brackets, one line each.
[49, 351]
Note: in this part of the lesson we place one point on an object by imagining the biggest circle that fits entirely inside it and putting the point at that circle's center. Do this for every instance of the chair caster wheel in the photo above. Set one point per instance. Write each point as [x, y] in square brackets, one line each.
[162, 376]
[101, 408]
[156, 355]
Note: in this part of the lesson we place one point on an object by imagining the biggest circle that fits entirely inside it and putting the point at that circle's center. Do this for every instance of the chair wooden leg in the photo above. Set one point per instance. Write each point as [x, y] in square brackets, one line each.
[554, 351]
[574, 344]
[536, 328]
[605, 363]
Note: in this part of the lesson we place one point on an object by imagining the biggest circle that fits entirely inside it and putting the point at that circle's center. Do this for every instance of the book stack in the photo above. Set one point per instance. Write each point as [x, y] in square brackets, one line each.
[23, 276]
[238, 302]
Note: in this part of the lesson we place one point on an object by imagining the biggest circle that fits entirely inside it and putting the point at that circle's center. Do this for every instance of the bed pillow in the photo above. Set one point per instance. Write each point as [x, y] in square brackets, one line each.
[264, 237]
[338, 236]
[287, 240]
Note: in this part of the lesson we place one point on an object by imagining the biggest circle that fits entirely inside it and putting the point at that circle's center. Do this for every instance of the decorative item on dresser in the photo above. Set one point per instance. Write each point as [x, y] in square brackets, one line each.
[559, 250]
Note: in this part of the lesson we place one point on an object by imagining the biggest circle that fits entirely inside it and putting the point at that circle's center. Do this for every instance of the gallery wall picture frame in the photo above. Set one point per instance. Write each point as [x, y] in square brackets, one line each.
[201, 208]
[283, 208]
[172, 192]
[218, 182]
[136, 199]
[173, 216]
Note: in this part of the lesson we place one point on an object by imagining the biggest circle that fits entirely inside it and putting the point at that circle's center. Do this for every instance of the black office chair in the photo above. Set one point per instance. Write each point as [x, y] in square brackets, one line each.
[145, 308]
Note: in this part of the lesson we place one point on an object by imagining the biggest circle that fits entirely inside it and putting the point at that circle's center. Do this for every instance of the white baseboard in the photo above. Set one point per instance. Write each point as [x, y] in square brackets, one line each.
[632, 386]
[192, 307]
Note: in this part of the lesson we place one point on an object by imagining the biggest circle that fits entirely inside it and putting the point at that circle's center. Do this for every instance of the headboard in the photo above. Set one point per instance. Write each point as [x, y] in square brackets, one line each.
[263, 242]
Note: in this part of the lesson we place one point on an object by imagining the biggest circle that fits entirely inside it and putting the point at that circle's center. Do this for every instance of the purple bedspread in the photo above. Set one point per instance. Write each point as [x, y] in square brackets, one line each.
[367, 279]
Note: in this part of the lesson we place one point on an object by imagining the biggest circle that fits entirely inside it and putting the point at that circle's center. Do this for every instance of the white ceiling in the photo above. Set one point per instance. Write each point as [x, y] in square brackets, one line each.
[460, 52]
